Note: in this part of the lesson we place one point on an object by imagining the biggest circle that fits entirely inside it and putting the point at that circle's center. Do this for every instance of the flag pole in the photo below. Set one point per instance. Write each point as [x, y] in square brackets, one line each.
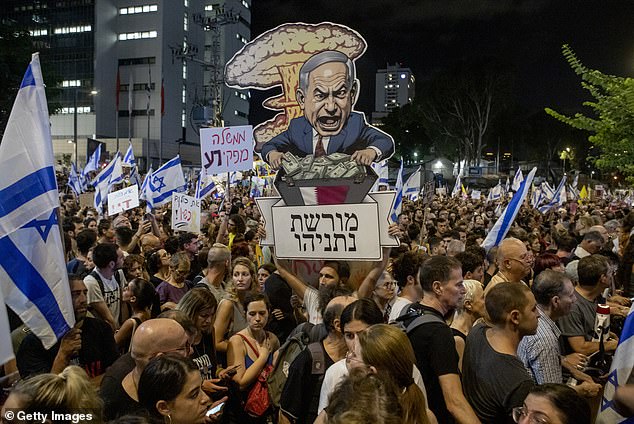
[149, 87]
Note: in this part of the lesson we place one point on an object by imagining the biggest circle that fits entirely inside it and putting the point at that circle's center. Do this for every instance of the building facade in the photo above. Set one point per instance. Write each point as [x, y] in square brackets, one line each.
[394, 87]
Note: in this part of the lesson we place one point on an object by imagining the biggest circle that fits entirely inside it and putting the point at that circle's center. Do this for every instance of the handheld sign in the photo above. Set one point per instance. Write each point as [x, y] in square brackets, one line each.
[226, 149]
[185, 213]
[122, 200]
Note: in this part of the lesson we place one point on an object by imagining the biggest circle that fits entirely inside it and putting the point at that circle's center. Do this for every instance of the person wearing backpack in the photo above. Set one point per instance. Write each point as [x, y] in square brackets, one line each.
[105, 283]
[300, 395]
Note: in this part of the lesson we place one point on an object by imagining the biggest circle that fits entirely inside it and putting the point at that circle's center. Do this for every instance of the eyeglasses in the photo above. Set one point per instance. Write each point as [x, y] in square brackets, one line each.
[186, 348]
[533, 416]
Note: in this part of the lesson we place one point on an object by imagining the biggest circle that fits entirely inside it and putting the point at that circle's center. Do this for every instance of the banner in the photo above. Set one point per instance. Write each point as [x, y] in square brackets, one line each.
[226, 149]
[185, 213]
[123, 200]
[344, 232]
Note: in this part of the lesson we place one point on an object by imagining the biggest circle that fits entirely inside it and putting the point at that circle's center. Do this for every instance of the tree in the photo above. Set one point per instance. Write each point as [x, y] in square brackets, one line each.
[462, 104]
[612, 126]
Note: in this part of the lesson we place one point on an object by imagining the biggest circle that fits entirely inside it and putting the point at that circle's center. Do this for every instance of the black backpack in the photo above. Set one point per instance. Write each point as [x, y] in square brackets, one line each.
[413, 316]
[294, 345]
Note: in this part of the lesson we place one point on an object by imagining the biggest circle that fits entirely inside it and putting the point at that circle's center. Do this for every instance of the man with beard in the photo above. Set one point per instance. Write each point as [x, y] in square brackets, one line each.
[332, 274]
[89, 344]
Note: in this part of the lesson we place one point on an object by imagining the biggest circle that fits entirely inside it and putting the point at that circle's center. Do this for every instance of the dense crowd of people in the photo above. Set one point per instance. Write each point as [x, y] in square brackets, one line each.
[212, 327]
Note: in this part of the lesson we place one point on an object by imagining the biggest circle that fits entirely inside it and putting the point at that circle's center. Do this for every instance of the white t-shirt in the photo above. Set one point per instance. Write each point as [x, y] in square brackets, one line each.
[311, 302]
[111, 292]
[338, 371]
[397, 308]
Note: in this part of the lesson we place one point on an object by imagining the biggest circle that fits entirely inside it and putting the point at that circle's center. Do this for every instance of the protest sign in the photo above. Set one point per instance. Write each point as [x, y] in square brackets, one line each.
[346, 232]
[122, 200]
[86, 199]
[476, 194]
[226, 149]
[185, 213]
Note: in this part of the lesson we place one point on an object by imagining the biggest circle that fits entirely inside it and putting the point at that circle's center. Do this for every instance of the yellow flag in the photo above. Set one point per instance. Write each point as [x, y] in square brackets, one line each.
[583, 193]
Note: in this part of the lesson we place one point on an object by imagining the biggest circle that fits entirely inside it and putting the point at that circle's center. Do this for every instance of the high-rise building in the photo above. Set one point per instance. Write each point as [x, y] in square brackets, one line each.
[394, 87]
[163, 61]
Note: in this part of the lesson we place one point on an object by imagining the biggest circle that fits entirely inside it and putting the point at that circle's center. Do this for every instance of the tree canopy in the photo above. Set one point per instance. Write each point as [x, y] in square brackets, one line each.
[612, 123]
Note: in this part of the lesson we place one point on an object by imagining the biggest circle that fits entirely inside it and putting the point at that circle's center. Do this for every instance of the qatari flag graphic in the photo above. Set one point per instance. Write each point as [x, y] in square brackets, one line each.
[330, 195]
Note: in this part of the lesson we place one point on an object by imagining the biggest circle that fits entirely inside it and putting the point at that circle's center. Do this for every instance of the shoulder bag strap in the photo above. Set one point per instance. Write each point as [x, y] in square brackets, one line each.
[257, 355]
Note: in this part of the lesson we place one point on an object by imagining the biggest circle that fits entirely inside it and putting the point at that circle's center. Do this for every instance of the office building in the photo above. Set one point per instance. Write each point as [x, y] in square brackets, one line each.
[394, 87]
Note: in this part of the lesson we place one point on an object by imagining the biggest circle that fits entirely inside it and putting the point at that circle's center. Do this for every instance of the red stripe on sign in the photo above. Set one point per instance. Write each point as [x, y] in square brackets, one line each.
[333, 195]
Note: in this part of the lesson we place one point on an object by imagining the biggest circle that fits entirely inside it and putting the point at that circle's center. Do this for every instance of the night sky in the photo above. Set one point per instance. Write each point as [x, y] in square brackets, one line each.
[430, 35]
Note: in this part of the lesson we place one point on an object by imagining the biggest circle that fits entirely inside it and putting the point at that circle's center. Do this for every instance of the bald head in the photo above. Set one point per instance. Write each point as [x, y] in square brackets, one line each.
[150, 242]
[510, 248]
[156, 336]
[332, 313]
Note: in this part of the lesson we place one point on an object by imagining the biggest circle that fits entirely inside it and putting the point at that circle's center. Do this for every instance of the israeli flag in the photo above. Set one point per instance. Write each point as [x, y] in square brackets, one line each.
[129, 160]
[398, 200]
[456, 187]
[74, 181]
[517, 179]
[507, 186]
[573, 193]
[163, 182]
[204, 185]
[575, 182]
[105, 180]
[620, 374]
[93, 162]
[558, 198]
[381, 170]
[504, 222]
[536, 197]
[547, 191]
[495, 193]
[411, 189]
[33, 277]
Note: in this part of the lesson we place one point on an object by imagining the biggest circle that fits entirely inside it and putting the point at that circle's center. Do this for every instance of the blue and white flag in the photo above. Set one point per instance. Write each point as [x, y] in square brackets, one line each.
[74, 181]
[33, 276]
[456, 188]
[517, 179]
[163, 182]
[495, 193]
[558, 198]
[105, 180]
[507, 186]
[411, 188]
[129, 160]
[398, 200]
[205, 185]
[93, 163]
[6, 347]
[575, 182]
[620, 374]
[573, 193]
[381, 170]
[536, 197]
[547, 191]
[504, 222]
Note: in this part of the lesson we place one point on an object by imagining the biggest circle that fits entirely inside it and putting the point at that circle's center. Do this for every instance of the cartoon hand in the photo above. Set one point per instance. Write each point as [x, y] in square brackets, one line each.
[275, 159]
[364, 157]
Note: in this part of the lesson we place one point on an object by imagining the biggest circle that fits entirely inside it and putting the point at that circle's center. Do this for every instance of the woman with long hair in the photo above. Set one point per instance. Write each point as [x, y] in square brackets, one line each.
[386, 350]
[170, 388]
[69, 392]
[172, 290]
[200, 306]
[251, 351]
[158, 264]
[139, 294]
[231, 316]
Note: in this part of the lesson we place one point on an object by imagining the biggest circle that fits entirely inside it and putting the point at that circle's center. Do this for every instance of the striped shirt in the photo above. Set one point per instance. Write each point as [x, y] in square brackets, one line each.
[540, 352]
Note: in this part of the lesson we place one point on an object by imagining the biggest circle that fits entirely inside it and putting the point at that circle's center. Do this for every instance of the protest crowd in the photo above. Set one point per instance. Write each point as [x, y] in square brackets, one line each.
[485, 309]
[172, 324]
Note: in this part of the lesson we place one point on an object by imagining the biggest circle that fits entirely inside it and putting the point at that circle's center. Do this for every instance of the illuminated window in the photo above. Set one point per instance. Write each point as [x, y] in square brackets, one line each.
[185, 22]
[184, 71]
[138, 9]
[137, 35]
[38, 32]
[241, 38]
[245, 4]
[73, 29]
[71, 83]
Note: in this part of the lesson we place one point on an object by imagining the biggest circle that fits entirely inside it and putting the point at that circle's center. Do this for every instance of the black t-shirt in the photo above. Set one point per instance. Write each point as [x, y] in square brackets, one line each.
[494, 383]
[300, 396]
[204, 357]
[279, 294]
[436, 355]
[98, 351]
[116, 401]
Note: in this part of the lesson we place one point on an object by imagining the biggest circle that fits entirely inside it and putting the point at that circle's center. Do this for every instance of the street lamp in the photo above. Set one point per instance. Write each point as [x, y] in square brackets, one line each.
[415, 157]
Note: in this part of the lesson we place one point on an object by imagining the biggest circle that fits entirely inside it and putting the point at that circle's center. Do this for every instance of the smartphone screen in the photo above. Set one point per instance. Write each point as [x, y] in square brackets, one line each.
[215, 409]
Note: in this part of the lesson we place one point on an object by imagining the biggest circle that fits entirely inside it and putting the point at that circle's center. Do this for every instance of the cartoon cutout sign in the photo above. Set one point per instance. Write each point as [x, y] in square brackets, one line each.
[317, 129]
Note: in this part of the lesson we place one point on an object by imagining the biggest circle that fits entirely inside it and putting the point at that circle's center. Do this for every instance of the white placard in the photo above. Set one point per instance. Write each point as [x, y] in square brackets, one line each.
[475, 194]
[185, 213]
[122, 200]
[226, 149]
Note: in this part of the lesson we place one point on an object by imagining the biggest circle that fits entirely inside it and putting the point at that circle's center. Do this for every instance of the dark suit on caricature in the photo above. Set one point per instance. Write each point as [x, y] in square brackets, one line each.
[355, 135]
